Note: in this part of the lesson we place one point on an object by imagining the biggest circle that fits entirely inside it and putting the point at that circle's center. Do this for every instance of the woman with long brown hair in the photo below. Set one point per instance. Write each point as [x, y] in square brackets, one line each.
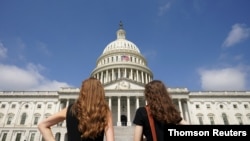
[88, 119]
[161, 108]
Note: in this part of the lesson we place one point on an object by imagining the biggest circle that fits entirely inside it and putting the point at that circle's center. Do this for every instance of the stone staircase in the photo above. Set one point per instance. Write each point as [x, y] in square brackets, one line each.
[124, 133]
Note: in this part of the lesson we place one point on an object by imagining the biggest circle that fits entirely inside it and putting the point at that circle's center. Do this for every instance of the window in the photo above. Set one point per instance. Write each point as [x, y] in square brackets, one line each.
[197, 106]
[235, 106]
[13, 106]
[246, 106]
[225, 120]
[58, 136]
[36, 120]
[26, 106]
[221, 106]
[4, 137]
[239, 120]
[49, 106]
[211, 120]
[39, 106]
[32, 137]
[18, 137]
[23, 118]
[3, 106]
[200, 120]
[9, 119]
[208, 106]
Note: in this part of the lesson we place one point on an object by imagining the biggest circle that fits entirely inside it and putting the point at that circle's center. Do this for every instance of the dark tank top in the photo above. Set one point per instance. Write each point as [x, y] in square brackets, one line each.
[72, 128]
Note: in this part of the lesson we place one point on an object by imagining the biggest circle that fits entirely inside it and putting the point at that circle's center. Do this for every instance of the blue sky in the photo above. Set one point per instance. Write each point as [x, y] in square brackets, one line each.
[201, 45]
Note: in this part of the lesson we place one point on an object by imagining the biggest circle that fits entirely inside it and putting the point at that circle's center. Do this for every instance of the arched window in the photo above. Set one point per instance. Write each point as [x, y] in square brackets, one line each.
[18, 137]
[239, 118]
[9, 119]
[23, 118]
[200, 118]
[211, 118]
[32, 137]
[58, 136]
[4, 137]
[36, 118]
[225, 120]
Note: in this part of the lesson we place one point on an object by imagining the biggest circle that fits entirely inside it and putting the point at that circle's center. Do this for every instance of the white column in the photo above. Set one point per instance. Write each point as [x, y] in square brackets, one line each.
[128, 112]
[142, 77]
[131, 74]
[186, 111]
[107, 76]
[119, 112]
[125, 71]
[137, 76]
[102, 77]
[110, 103]
[180, 107]
[113, 75]
[137, 102]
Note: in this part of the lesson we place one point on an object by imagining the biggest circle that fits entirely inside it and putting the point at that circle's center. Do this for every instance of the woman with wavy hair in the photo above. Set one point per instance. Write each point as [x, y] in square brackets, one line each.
[87, 119]
[162, 110]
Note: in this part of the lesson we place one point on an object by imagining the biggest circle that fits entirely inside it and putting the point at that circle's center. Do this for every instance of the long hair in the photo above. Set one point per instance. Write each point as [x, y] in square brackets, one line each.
[160, 103]
[91, 108]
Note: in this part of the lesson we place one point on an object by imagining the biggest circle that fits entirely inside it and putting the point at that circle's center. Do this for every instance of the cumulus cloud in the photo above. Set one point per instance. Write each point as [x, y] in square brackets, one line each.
[238, 34]
[29, 78]
[14, 78]
[224, 79]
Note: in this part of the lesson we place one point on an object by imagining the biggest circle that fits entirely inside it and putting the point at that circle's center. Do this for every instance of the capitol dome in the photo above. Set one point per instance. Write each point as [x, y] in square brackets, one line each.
[122, 60]
[121, 43]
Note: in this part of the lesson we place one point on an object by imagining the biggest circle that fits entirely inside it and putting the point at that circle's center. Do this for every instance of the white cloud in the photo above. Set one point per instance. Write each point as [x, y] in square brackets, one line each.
[164, 8]
[238, 34]
[224, 79]
[23, 79]
[3, 51]
[14, 78]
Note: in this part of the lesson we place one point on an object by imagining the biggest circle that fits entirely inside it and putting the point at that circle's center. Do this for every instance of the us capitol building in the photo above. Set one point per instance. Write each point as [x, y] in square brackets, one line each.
[123, 71]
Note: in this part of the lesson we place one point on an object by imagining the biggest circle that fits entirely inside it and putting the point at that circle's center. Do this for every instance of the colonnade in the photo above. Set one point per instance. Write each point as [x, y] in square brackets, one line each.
[116, 107]
[110, 75]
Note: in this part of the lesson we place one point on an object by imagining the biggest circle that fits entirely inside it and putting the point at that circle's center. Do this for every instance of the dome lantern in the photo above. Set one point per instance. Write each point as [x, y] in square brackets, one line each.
[121, 34]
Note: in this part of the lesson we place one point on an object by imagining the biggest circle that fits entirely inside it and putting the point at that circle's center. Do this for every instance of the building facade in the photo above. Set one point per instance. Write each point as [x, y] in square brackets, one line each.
[123, 71]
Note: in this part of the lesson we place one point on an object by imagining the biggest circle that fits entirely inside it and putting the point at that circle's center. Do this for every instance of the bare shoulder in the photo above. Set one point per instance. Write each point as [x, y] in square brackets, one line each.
[59, 115]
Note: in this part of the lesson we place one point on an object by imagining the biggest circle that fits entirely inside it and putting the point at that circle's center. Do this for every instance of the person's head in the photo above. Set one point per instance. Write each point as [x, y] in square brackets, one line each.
[160, 101]
[92, 92]
[156, 91]
[91, 108]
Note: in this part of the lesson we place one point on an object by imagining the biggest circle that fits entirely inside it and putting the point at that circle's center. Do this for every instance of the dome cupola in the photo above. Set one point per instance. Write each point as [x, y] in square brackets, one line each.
[121, 59]
[121, 43]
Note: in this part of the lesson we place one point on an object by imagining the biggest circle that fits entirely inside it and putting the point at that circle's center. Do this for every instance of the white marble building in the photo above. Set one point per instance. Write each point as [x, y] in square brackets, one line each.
[123, 71]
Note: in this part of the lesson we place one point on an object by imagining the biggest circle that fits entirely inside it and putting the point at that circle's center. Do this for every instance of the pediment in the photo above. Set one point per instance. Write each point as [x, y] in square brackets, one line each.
[124, 84]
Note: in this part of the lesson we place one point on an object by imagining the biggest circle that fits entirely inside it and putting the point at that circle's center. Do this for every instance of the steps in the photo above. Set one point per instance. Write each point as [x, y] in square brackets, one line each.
[124, 133]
